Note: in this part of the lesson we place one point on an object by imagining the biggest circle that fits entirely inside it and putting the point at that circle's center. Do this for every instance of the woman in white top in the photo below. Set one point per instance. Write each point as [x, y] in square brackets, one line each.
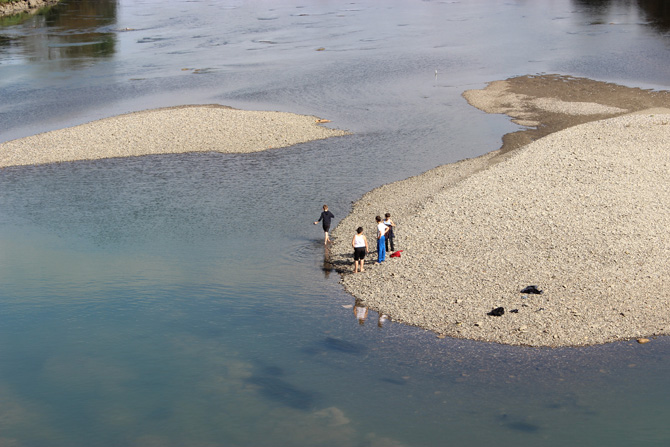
[360, 244]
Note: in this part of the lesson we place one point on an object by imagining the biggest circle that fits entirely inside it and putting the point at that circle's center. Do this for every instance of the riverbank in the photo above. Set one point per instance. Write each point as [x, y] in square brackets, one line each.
[20, 6]
[211, 128]
[575, 204]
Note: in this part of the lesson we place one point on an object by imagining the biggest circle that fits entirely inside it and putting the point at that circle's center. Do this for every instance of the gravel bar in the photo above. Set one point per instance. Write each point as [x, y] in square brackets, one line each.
[210, 128]
[582, 214]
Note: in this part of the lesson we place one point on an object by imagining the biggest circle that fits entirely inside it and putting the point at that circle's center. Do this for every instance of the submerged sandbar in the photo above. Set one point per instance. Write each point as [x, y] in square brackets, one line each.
[582, 213]
[209, 128]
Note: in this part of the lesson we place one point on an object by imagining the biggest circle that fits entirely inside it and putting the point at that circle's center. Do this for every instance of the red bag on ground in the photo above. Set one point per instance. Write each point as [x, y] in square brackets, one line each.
[395, 254]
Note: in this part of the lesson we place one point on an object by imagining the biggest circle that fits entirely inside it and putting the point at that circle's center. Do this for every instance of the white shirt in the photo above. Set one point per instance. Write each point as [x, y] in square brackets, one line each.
[382, 229]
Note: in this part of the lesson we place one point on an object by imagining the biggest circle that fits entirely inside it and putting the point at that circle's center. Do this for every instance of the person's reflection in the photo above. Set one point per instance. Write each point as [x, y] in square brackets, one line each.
[327, 265]
[360, 311]
[383, 318]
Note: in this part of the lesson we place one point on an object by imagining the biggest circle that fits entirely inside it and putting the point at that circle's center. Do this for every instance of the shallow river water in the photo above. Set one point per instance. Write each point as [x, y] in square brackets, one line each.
[185, 300]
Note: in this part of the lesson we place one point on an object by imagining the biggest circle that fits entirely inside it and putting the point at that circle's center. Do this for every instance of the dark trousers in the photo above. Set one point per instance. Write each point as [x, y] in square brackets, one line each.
[389, 242]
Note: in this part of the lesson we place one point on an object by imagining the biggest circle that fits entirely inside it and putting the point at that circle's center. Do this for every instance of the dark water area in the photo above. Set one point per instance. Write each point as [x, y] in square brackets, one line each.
[187, 299]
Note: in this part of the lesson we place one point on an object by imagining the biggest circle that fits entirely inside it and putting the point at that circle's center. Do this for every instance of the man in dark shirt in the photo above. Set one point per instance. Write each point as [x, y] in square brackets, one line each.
[326, 216]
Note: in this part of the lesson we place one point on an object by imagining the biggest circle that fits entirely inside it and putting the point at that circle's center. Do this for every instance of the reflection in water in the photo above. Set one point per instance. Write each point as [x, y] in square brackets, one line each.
[327, 264]
[361, 311]
[82, 14]
[83, 20]
[656, 12]
[70, 34]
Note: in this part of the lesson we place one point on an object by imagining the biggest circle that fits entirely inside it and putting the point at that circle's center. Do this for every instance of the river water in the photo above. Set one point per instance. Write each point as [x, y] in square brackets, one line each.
[186, 300]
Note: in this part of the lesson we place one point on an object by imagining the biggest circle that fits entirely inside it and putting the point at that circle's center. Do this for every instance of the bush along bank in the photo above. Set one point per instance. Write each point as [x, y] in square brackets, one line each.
[30, 6]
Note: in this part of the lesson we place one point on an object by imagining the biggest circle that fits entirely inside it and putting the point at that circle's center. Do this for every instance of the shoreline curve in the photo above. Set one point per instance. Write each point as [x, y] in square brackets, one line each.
[582, 212]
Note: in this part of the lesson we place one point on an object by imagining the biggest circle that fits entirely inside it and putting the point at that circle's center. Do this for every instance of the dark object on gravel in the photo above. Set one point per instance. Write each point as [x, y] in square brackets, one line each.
[497, 312]
[531, 289]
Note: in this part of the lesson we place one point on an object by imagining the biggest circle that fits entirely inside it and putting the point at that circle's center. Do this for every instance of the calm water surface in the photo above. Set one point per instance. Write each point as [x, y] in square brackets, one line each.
[185, 300]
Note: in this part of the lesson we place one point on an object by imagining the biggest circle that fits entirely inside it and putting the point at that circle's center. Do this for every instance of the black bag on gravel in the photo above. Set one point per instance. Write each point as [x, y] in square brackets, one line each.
[497, 312]
[531, 289]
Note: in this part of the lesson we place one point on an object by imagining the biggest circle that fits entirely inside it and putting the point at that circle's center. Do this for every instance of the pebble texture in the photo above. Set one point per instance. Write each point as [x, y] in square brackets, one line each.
[163, 131]
[582, 213]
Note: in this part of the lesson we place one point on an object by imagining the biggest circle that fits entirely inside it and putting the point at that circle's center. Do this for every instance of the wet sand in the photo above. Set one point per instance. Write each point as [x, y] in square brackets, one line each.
[576, 203]
[210, 128]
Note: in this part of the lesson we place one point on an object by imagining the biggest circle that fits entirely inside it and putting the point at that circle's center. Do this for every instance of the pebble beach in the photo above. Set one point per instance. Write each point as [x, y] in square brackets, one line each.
[581, 213]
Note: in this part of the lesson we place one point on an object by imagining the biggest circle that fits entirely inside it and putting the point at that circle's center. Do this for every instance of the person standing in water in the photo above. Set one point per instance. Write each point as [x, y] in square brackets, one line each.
[389, 236]
[381, 240]
[326, 216]
[360, 244]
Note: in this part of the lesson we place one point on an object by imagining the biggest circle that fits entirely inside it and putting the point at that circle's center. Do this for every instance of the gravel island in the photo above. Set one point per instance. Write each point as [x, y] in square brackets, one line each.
[582, 212]
[211, 128]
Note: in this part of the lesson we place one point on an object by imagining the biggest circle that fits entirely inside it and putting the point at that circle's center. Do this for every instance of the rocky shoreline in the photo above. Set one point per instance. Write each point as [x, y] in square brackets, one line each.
[20, 6]
[580, 211]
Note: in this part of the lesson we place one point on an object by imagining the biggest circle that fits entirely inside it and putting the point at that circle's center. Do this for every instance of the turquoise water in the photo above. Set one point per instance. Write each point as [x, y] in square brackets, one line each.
[187, 299]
